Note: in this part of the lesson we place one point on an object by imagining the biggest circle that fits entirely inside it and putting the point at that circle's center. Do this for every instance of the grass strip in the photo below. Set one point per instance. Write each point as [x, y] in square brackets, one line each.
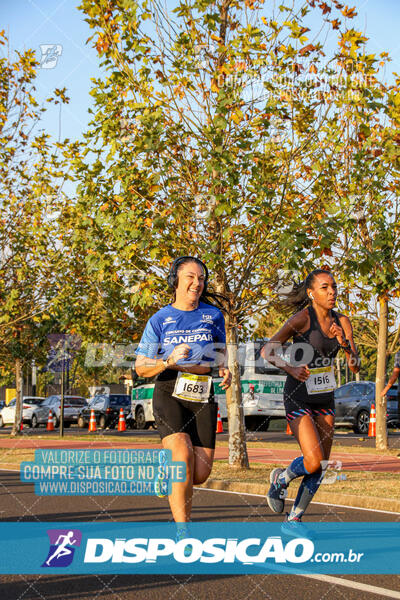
[360, 483]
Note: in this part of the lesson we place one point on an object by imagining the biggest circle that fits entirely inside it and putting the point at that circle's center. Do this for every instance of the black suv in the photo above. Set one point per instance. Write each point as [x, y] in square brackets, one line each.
[106, 410]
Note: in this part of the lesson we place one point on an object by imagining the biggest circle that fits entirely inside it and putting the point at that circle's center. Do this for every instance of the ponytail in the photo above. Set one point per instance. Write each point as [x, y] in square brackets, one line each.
[218, 300]
[296, 299]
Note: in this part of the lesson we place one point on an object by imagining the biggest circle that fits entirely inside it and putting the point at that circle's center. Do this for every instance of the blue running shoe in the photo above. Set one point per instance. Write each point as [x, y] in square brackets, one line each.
[161, 482]
[181, 534]
[294, 527]
[277, 492]
[162, 457]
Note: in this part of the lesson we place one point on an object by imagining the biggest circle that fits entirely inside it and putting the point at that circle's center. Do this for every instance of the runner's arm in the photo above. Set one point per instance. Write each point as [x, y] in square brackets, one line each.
[149, 367]
[352, 357]
[393, 378]
[270, 351]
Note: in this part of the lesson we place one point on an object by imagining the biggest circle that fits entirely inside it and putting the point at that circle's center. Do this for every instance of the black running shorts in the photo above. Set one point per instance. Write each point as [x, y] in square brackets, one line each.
[295, 408]
[197, 419]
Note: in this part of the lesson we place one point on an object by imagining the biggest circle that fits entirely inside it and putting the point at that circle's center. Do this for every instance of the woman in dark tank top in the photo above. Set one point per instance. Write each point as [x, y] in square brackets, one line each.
[318, 334]
[323, 350]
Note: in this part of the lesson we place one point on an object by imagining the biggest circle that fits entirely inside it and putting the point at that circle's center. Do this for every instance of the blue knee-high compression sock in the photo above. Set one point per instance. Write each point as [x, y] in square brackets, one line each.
[307, 490]
[295, 469]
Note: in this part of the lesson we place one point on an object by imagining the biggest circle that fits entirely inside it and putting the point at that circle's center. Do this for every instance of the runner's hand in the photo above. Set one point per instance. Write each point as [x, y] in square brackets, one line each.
[301, 373]
[334, 329]
[227, 377]
[180, 352]
[383, 393]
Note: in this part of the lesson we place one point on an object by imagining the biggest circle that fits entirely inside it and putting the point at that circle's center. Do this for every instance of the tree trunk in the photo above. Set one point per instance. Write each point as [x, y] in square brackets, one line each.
[381, 427]
[16, 430]
[237, 435]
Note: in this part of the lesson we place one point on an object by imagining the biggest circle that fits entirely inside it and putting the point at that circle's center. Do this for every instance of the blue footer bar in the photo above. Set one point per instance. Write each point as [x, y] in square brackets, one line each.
[201, 548]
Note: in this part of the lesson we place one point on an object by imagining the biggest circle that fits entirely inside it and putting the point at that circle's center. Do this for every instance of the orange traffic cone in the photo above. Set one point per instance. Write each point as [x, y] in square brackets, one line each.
[220, 428]
[121, 421]
[50, 422]
[92, 422]
[288, 430]
[372, 422]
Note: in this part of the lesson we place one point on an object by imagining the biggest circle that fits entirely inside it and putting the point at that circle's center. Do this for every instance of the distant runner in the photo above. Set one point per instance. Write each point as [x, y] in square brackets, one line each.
[180, 344]
[394, 377]
[318, 334]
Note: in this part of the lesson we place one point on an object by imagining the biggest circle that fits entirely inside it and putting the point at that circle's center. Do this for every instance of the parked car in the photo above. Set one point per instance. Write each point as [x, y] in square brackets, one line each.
[29, 405]
[106, 410]
[72, 407]
[353, 405]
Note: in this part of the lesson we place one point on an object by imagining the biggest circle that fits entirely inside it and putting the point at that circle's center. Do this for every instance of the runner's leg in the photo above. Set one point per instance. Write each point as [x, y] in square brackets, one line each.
[305, 431]
[180, 499]
[203, 461]
[324, 424]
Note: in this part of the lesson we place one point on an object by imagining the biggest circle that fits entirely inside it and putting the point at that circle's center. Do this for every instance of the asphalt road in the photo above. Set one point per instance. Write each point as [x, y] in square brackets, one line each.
[19, 503]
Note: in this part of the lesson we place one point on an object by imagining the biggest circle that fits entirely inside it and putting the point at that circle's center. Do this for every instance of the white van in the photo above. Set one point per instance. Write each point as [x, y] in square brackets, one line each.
[262, 388]
[262, 391]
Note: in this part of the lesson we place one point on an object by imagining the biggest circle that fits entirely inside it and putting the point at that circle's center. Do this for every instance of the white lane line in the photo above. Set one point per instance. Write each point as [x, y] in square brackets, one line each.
[355, 585]
[387, 512]
[329, 578]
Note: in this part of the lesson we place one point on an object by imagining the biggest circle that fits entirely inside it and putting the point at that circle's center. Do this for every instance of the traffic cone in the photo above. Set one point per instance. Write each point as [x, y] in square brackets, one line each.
[288, 430]
[220, 428]
[372, 422]
[21, 427]
[92, 422]
[121, 421]
[50, 422]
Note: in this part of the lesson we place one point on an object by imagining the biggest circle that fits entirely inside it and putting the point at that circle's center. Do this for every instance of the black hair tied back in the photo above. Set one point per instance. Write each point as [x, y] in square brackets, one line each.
[297, 298]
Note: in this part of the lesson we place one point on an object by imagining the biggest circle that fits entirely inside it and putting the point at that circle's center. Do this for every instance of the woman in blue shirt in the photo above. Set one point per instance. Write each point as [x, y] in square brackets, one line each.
[180, 344]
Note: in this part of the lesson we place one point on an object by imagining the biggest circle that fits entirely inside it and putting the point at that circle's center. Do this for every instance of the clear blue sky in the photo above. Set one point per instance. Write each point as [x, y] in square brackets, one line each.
[30, 23]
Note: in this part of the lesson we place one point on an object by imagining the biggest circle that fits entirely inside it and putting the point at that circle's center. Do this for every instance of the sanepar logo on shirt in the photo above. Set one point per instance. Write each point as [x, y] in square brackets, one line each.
[189, 338]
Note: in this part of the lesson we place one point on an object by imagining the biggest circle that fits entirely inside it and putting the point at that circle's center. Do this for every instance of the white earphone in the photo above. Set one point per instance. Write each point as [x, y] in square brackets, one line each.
[312, 297]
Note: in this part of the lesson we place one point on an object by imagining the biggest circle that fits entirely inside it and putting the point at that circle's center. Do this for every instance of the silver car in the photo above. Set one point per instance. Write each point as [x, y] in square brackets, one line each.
[72, 407]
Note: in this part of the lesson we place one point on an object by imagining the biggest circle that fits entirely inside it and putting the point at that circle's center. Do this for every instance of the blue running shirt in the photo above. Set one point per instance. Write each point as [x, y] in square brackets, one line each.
[203, 329]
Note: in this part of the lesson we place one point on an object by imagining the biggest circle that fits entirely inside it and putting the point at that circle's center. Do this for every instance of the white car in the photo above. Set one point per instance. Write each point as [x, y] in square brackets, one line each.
[29, 404]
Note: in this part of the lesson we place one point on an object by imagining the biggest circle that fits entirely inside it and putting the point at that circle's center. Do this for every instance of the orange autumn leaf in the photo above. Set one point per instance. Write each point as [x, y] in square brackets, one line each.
[349, 12]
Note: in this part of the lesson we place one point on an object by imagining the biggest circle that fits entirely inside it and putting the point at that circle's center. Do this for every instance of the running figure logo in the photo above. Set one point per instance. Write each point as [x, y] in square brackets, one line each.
[62, 547]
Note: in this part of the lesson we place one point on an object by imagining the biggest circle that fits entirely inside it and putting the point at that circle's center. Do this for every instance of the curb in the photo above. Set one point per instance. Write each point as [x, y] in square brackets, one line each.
[353, 501]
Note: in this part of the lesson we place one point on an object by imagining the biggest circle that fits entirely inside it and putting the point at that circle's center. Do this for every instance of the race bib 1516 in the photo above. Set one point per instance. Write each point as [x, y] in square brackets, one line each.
[321, 381]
